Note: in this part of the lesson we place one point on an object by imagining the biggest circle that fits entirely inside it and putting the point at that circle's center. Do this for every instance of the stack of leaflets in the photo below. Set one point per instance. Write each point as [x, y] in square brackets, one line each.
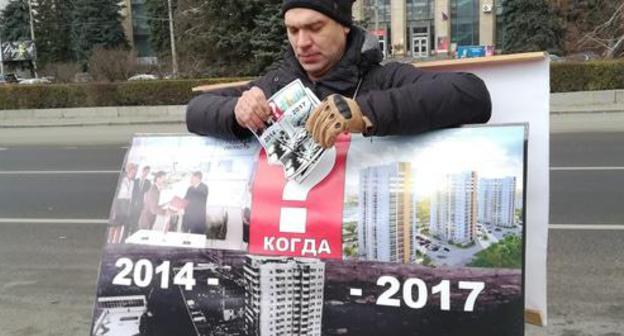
[285, 138]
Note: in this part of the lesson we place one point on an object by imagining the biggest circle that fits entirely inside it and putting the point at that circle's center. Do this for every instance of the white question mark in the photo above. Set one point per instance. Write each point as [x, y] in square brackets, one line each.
[293, 220]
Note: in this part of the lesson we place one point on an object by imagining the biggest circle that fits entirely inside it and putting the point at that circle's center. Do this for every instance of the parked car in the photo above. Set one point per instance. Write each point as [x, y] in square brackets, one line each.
[35, 81]
[555, 58]
[582, 56]
[8, 79]
[143, 77]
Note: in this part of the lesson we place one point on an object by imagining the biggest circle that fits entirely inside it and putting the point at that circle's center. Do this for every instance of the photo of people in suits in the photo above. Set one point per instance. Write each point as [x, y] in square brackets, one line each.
[167, 193]
[151, 207]
[142, 185]
[194, 218]
[120, 218]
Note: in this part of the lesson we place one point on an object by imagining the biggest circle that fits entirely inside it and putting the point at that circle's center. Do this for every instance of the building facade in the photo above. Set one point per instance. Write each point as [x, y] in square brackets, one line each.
[421, 28]
[386, 224]
[137, 30]
[284, 296]
[453, 215]
[497, 201]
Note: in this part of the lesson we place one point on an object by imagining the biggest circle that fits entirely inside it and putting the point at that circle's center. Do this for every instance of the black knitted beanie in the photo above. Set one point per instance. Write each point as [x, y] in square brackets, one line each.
[339, 10]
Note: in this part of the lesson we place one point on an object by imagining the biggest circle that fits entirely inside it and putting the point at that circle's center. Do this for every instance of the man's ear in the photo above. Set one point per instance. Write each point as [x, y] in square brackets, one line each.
[347, 30]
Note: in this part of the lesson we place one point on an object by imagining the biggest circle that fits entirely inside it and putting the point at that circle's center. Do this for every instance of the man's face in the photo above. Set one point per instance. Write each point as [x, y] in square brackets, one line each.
[145, 173]
[195, 180]
[132, 172]
[160, 181]
[317, 40]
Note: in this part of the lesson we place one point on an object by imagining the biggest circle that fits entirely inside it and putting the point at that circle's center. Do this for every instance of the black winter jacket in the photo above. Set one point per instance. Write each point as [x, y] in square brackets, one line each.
[399, 99]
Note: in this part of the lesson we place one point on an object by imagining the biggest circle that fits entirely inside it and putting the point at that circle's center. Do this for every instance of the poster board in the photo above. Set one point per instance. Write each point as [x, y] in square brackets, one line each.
[519, 85]
[410, 244]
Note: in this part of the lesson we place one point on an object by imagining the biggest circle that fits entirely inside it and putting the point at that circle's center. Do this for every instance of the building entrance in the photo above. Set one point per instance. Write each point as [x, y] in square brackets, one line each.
[419, 41]
[420, 46]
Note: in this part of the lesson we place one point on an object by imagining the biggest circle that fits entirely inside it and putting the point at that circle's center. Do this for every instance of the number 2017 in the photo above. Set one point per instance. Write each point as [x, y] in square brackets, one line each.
[443, 288]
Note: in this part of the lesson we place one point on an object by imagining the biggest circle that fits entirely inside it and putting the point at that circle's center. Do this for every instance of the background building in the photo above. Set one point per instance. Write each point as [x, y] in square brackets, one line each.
[385, 220]
[284, 296]
[454, 209]
[138, 31]
[419, 28]
[497, 201]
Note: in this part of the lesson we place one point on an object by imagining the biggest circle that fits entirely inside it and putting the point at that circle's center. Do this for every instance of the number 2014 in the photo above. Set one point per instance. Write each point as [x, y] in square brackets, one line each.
[143, 273]
[443, 288]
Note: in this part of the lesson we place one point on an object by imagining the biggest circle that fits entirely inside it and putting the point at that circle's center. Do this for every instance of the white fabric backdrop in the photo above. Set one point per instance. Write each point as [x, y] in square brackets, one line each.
[521, 93]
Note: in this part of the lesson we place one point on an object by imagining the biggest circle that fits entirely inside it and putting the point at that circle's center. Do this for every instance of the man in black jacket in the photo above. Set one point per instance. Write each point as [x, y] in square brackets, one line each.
[340, 63]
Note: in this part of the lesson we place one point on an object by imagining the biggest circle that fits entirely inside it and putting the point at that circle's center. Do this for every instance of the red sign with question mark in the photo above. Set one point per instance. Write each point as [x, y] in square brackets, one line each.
[299, 220]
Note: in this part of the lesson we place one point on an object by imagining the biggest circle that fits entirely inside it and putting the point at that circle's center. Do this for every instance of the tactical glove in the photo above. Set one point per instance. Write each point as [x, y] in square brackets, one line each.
[337, 114]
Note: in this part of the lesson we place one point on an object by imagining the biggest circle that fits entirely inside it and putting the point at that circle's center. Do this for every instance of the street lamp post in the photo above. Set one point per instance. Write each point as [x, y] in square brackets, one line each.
[32, 37]
[1, 57]
[174, 59]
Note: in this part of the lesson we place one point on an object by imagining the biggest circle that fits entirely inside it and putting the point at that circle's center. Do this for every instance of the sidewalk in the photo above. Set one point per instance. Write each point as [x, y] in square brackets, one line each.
[93, 116]
[563, 106]
[611, 101]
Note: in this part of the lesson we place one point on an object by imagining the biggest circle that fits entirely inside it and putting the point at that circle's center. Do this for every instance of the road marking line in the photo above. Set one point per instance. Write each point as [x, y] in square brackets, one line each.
[52, 221]
[57, 172]
[602, 227]
[585, 168]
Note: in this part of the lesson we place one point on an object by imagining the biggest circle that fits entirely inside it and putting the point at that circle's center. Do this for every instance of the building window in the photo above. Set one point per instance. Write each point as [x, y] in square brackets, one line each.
[465, 22]
[419, 9]
[141, 29]
[377, 9]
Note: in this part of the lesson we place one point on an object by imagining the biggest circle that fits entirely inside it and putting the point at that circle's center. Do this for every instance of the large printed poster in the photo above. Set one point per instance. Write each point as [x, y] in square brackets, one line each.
[397, 235]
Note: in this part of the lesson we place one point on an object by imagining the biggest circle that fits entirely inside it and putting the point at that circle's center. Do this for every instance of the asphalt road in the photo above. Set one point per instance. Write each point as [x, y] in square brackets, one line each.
[48, 269]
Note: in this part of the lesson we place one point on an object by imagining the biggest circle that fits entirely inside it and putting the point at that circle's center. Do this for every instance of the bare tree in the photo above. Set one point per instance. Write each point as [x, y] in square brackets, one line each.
[112, 64]
[608, 36]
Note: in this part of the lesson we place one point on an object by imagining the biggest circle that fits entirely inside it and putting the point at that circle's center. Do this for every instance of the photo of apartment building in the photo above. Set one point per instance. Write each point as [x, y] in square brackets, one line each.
[284, 296]
[497, 201]
[454, 209]
[386, 221]
[439, 201]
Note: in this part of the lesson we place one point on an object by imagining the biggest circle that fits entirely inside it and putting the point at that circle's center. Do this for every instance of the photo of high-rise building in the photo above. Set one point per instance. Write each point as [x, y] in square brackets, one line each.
[284, 296]
[386, 222]
[449, 199]
[454, 209]
[497, 201]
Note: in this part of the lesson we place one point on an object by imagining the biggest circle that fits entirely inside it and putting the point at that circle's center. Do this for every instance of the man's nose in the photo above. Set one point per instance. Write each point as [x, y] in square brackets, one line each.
[304, 40]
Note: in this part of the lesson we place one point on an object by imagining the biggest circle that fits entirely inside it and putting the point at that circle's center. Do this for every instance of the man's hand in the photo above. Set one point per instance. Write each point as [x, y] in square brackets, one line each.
[337, 114]
[252, 109]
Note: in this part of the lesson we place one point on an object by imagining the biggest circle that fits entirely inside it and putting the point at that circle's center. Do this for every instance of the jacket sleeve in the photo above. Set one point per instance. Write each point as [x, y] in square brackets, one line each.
[212, 113]
[412, 101]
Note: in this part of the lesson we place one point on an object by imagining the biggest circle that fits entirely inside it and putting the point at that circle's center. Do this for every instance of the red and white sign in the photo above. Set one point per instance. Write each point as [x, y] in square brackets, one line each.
[292, 219]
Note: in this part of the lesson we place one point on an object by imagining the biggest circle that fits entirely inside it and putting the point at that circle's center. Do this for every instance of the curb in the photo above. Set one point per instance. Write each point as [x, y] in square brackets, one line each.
[578, 103]
[596, 109]
[93, 116]
[25, 123]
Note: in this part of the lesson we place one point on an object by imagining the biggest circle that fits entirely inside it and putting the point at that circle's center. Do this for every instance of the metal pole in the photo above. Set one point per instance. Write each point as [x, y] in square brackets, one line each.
[32, 37]
[1, 57]
[174, 59]
[376, 16]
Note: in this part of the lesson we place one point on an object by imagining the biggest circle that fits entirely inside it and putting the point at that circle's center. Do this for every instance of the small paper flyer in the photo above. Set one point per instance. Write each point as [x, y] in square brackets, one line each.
[285, 139]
